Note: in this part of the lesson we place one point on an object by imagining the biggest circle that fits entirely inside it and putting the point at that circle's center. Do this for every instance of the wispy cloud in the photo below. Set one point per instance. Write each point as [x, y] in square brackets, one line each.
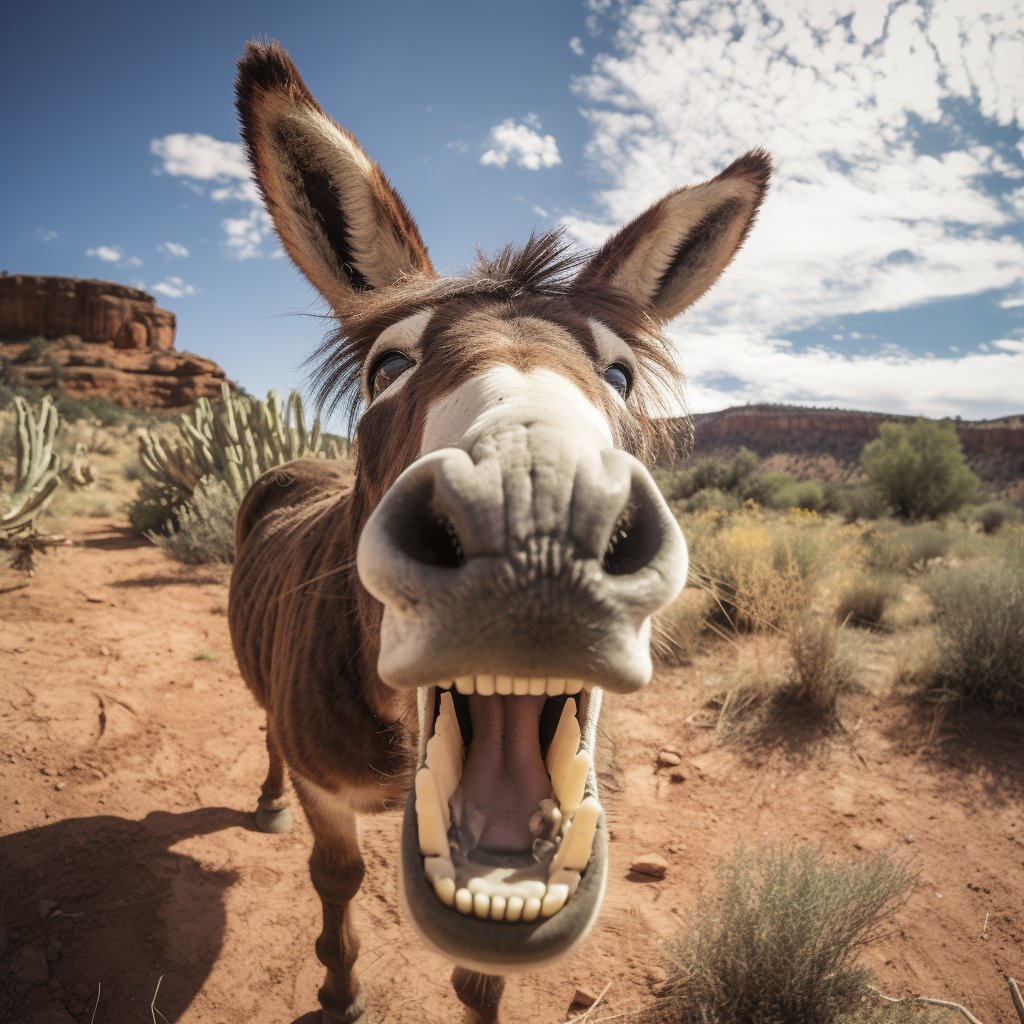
[876, 203]
[173, 249]
[576, 46]
[113, 254]
[173, 287]
[45, 235]
[522, 144]
[199, 158]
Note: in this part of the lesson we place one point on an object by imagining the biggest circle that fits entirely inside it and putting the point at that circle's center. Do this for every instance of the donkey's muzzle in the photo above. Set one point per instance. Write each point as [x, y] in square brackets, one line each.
[525, 557]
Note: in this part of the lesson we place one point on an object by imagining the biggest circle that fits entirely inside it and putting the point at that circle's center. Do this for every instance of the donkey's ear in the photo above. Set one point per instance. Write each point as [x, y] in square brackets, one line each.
[673, 253]
[338, 216]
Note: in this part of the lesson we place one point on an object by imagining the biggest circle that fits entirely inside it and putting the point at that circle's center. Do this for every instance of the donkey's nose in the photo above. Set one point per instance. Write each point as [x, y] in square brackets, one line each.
[493, 562]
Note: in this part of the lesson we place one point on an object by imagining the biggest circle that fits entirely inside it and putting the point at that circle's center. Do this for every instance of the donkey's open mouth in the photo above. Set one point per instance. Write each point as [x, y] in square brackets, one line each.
[503, 846]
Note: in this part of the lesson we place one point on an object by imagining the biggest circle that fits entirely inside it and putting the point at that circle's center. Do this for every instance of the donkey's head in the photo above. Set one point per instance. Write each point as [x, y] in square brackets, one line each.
[514, 544]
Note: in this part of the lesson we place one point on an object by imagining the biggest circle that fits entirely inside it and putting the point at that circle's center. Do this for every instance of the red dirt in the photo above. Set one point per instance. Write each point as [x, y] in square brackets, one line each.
[130, 770]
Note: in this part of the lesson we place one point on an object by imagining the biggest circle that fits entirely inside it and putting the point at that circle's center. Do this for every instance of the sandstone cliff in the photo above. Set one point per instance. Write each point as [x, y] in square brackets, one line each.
[825, 444]
[101, 338]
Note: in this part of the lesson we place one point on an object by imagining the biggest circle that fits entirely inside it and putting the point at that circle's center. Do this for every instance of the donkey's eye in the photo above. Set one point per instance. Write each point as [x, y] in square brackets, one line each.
[618, 375]
[387, 370]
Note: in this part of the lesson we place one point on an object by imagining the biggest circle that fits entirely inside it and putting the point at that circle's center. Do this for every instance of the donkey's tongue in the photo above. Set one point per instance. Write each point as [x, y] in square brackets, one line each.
[504, 778]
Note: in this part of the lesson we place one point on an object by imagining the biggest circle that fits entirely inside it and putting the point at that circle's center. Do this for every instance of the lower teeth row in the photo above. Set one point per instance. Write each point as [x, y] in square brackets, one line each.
[491, 895]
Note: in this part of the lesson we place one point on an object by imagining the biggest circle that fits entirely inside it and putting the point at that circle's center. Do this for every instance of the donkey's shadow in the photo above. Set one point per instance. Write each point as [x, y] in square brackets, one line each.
[123, 910]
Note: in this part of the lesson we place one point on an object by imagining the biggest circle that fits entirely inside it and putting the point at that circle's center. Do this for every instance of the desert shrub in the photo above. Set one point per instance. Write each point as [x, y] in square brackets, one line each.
[205, 526]
[767, 490]
[996, 514]
[678, 628]
[778, 942]
[865, 600]
[711, 498]
[818, 673]
[730, 476]
[980, 615]
[919, 469]
[904, 549]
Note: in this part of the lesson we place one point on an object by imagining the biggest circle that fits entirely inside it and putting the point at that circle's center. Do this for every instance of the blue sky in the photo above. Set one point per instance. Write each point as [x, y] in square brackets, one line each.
[886, 270]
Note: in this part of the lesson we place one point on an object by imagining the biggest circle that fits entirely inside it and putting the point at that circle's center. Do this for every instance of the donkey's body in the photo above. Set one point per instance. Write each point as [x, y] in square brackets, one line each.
[500, 536]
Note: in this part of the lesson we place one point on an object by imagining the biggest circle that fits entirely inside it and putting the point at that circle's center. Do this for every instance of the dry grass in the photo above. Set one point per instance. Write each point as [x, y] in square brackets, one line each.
[205, 530]
[866, 600]
[777, 942]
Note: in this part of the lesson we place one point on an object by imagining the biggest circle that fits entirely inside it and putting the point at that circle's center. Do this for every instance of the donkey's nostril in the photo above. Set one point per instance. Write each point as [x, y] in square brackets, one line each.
[421, 532]
[636, 539]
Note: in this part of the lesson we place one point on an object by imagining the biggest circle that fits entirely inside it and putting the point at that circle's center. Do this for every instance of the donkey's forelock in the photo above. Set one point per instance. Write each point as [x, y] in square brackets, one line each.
[538, 279]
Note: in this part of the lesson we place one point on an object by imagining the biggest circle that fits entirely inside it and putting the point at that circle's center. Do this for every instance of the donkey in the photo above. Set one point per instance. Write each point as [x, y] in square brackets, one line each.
[441, 632]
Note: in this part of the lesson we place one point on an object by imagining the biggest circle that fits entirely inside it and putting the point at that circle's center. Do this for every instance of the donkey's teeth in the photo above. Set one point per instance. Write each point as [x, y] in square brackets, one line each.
[531, 908]
[555, 687]
[482, 905]
[447, 685]
[574, 782]
[567, 716]
[485, 686]
[514, 908]
[429, 817]
[563, 876]
[554, 899]
[538, 687]
[498, 908]
[573, 686]
[464, 684]
[445, 890]
[464, 901]
[560, 757]
[503, 685]
[574, 851]
[521, 687]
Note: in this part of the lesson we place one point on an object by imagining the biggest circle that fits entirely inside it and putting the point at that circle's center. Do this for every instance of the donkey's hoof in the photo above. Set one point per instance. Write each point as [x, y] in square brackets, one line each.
[273, 821]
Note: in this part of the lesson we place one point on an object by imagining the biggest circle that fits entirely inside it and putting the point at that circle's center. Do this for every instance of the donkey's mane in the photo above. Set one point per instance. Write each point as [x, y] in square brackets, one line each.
[544, 268]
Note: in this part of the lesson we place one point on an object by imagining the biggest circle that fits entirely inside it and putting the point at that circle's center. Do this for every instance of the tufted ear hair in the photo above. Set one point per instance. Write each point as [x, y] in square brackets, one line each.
[338, 217]
[674, 252]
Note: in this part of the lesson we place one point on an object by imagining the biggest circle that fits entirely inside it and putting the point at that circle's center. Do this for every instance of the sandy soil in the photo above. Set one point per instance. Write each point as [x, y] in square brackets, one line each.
[132, 756]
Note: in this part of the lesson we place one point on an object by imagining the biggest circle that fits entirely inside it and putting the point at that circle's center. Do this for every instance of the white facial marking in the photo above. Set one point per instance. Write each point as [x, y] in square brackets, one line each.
[401, 337]
[502, 391]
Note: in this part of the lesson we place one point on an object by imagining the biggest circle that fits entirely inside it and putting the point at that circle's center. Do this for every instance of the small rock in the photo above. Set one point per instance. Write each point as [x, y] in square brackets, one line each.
[94, 599]
[47, 907]
[59, 786]
[104, 651]
[668, 758]
[909, 838]
[584, 997]
[657, 979]
[652, 864]
[75, 1007]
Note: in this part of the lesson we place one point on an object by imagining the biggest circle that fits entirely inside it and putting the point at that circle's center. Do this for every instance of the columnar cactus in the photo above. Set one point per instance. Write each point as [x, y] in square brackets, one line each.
[38, 466]
[234, 441]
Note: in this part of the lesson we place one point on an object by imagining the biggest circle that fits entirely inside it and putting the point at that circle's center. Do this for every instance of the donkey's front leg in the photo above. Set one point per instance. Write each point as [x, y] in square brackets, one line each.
[336, 868]
[480, 992]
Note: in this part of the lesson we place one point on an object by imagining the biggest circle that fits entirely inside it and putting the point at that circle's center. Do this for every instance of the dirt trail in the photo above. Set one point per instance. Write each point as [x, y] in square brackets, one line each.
[132, 756]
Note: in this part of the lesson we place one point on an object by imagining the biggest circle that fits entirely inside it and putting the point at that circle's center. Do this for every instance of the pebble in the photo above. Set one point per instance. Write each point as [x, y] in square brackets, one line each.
[652, 864]
[656, 980]
[59, 786]
[584, 997]
[668, 758]
[47, 907]
[104, 651]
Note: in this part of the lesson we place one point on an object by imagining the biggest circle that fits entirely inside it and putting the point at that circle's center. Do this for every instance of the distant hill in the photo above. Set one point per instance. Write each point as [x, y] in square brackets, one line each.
[825, 444]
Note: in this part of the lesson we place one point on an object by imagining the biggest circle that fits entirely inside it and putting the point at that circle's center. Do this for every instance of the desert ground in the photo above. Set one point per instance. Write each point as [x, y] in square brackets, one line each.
[132, 755]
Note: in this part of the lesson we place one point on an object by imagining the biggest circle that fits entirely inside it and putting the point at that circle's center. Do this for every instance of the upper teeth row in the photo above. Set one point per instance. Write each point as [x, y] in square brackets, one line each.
[488, 686]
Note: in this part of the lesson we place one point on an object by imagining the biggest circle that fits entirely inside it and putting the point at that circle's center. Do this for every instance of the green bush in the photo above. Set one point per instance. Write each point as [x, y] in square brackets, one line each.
[904, 549]
[731, 477]
[862, 501]
[980, 614]
[708, 498]
[996, 514]
[865, 600]
[919, 469]
[205, 530]
[778, 942]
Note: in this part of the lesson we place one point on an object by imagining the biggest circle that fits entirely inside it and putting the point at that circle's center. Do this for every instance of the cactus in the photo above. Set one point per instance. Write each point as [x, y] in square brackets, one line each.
[38, 466]
[234, 442]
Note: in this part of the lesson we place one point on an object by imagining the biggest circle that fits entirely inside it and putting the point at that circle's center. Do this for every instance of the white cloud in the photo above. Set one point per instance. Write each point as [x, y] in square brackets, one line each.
[173, 249]
[45, 235]
[975, 384]
[857, 219]
[202, 158]
[522, 144]
[173, 287]
[110, 253]
[576, 46]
